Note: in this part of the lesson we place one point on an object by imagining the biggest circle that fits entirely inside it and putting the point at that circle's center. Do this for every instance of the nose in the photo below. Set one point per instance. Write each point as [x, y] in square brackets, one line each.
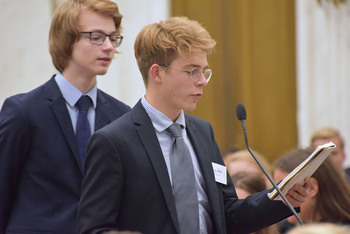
[107, 44]
[202, 80]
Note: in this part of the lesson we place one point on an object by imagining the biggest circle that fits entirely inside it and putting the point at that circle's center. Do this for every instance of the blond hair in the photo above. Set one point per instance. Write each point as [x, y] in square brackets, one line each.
[245, 155]
[161, 43]
[64, 30]
[320, 228]
[328, 132]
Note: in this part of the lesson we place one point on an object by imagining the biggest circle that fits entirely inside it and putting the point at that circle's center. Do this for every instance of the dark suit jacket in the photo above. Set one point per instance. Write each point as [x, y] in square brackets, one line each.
[127, 185]
[40, 173]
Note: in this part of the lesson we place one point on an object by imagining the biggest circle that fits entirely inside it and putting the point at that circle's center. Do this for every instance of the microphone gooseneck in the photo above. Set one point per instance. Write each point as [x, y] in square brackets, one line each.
[242, 116]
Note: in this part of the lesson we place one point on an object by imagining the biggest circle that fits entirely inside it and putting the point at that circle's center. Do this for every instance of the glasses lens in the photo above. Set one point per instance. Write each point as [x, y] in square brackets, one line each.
[207, 74]
[196, 74]
[97, 38]
[116, 40]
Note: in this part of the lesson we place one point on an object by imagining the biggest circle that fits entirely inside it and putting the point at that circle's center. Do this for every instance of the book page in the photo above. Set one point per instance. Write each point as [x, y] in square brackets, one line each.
[303, 170]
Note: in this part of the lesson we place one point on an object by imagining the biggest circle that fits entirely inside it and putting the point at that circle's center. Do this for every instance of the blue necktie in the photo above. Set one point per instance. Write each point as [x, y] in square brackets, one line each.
[184, 183]
[83, 131]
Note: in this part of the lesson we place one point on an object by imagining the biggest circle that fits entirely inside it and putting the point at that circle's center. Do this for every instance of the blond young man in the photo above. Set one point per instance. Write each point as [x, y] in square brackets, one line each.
[131, 182]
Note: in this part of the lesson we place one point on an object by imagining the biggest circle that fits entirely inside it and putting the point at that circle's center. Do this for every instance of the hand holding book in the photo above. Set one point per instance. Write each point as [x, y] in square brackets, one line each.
[304, 170]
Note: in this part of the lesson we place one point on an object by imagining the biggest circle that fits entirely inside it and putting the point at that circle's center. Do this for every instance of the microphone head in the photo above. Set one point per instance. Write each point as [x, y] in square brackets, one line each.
[241, 113]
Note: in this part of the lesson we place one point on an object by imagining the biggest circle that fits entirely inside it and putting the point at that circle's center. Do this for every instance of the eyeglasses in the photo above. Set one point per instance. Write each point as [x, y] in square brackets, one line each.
[97, 38]
[195, 73]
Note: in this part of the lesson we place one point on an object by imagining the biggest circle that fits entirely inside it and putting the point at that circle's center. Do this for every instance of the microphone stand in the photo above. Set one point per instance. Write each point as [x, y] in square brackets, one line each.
[267, 174]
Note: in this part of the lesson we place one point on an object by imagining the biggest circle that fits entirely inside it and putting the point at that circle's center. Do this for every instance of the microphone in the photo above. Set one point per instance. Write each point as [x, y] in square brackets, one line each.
[242, 116]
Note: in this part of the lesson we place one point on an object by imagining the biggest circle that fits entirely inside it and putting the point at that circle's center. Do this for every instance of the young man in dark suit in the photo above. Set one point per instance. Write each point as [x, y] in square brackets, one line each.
[133, 179]
[42, 156]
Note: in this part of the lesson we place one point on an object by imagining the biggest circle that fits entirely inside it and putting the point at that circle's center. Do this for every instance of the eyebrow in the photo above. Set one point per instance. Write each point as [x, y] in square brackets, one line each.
[100, 30]
[196, 65]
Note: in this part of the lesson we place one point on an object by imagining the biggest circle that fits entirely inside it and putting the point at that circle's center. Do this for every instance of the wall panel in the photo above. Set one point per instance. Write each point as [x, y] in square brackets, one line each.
[254, 63]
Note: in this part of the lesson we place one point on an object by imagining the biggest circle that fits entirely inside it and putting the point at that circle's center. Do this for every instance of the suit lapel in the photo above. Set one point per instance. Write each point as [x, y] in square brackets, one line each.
[205, 162]
[104, 112]
[59, 109]
[150, 141]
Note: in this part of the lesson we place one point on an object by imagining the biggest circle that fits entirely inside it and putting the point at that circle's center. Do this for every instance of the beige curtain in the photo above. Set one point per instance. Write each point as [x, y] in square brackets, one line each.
[254, 63]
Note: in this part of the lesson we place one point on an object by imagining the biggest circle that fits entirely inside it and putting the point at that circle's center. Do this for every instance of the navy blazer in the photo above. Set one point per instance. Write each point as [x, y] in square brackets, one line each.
[40, 173]
[127, 186]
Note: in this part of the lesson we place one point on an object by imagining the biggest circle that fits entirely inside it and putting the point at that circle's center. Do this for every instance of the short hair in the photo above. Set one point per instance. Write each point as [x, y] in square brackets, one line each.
[328, 132]
[249, 181]
[64, 30]
[230, 151]
[245, 155]
[333, 198]
[161, 43]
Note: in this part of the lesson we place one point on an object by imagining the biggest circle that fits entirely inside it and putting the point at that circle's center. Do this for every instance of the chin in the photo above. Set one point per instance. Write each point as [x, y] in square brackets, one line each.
[189, 108]
[101, 73]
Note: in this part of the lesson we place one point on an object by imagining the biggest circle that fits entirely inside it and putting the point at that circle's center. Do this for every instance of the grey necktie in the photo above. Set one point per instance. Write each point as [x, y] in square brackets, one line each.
[184, 183]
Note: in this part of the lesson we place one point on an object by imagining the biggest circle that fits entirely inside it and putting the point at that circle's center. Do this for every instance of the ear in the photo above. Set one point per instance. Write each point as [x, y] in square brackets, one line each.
[154, 73]
[313, 187]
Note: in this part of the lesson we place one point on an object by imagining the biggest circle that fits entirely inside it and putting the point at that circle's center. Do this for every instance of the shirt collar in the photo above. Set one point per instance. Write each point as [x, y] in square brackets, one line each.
[160, 121]
[71, 94]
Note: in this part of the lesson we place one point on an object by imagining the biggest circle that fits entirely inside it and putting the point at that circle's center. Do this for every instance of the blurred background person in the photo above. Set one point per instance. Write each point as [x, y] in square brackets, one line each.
[329, 199]
[229, 151]
[247, 183]
[242, 160]
[320, 228]
[338, 156]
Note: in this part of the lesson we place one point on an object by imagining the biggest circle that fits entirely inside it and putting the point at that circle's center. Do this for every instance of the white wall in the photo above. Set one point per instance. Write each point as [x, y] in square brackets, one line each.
[124, 80]
[323, 60]
[24, 58]
[25, 62]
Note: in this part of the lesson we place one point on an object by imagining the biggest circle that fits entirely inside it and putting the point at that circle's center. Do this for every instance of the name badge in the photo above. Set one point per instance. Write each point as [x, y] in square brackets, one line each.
[220, 173]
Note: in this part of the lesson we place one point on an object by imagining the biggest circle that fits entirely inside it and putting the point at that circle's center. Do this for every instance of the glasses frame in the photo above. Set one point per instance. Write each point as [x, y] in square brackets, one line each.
[190, 72]
[115, 44]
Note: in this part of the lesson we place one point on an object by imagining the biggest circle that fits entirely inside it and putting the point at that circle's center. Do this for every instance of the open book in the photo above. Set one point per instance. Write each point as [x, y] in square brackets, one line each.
[305, 169]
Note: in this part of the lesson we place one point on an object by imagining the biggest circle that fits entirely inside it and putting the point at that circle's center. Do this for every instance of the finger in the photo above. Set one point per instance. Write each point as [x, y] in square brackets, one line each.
[292, 201]
[302, 190]
[298, 193]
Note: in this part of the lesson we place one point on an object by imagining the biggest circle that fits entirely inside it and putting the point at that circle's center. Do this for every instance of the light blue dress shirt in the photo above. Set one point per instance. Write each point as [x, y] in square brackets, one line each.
[160, 123]
[71, 94]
